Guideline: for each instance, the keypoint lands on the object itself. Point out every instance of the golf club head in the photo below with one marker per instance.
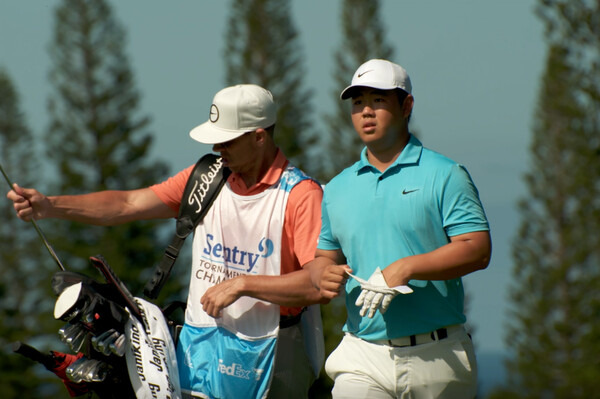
(76, 344)
(73, 371)
(70, 302)
(94, 371)
(68, 330)
(63, 279)
(97, 338)
(102, 342)
(118, 346)
(80, 303)
(106, 344)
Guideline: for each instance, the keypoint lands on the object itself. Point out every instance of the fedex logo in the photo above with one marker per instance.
(235, 256)
(236, 370)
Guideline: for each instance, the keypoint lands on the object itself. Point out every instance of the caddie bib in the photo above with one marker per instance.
(233, 356)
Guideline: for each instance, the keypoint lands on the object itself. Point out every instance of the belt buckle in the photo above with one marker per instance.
(435, 335)
(412, 342)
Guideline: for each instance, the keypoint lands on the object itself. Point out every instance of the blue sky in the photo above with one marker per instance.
(475, 68)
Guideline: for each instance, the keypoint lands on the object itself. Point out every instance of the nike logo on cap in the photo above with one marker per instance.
(362, 73)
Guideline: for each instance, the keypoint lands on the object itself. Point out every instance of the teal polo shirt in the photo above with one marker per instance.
(412, 208)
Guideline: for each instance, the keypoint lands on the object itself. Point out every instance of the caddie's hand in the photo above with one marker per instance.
(376, 294)
(332, 280)
(219, 296)
(28, 202)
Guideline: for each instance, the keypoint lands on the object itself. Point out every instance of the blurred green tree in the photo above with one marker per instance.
(262, 48)
(363, 38)
(96, 139)
(25, 271)
(554, 331)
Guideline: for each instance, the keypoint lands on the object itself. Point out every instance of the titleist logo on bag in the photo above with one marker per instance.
(202, 185)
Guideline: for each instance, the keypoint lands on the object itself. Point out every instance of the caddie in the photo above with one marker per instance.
(248, 289)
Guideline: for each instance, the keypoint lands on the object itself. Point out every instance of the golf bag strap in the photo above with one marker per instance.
(204, 184)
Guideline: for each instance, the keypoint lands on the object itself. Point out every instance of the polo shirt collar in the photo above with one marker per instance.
(271, 177)
(274, 173)
(409, 156)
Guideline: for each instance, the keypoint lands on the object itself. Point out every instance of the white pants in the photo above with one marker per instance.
(439, 369)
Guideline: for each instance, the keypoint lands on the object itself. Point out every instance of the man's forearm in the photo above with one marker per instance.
(102, 208)
(463, 255)
(291, 289)
(108, 208)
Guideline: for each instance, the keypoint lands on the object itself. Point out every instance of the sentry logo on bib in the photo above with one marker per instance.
(234, 257)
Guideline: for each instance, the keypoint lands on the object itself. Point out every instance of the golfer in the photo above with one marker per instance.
(407, 224)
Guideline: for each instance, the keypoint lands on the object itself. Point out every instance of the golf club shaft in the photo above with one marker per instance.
(37, 228)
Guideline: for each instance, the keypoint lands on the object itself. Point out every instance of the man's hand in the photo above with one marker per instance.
(328, 273)
(28, 203)
(330, 280)
(377, 294)
(218, 297)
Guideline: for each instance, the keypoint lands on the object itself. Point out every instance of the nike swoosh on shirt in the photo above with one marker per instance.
(405, 191)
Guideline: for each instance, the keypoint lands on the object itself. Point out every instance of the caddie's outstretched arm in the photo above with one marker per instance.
(103, 208)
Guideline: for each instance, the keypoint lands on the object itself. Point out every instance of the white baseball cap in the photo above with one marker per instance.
(234, 111)
(379, 74)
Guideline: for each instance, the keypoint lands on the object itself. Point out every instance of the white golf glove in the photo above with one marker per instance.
(376, 293)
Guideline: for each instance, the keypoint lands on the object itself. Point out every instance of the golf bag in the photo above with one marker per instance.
(123, 346)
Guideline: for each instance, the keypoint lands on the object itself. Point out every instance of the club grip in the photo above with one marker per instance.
(31, 353)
